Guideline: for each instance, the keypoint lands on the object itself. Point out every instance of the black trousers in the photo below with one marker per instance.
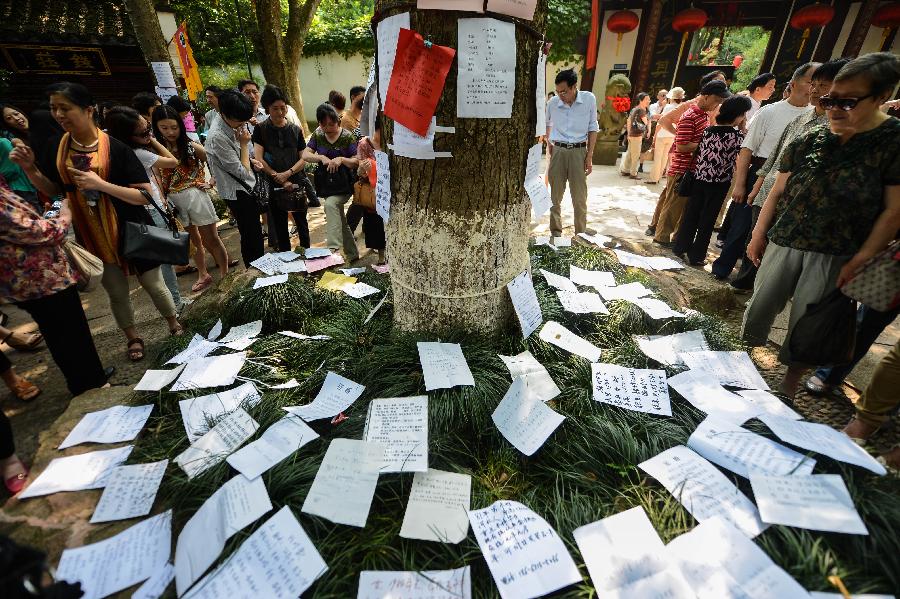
(735, 242)
(373, 229)
(356, 213)
(65, 329)
(746, 276)
(278, 227)
(699, 218)
(246, 215)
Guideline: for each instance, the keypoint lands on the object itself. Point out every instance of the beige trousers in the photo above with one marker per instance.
(116, 284)
(337, 232)
(880, 398)
(661, 157)
(631, 159)
(567, 166)
(670, 210)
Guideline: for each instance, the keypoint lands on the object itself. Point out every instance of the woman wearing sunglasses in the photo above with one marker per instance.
(835, 203)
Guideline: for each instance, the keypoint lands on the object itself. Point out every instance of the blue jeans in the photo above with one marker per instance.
(167, 270)
(869, 325)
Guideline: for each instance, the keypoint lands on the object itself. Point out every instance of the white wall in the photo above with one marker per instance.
(321, 74)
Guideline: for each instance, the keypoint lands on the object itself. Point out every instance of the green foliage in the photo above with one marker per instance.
(585, 471)
(341, 26)
(568, 21)
(753, 50)
(214, 30)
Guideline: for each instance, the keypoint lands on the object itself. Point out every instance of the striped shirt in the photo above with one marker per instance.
(689, 131)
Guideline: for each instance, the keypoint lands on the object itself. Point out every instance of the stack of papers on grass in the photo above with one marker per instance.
(112, 425)
(77, 472)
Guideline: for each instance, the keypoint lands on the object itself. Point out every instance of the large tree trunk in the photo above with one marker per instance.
(146, 28)
(458, 228)
(279, 53)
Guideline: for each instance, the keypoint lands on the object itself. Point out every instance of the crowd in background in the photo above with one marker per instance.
(75, 174)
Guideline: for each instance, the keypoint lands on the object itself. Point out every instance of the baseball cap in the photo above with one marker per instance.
(716, 88)
(676, 93)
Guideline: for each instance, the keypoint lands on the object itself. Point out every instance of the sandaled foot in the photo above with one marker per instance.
(24, 341)
(135, 351)
(202, 284)
(25, 390)
(858, 430)
(816, 386)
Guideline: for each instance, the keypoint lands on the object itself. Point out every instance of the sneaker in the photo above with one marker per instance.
(651, 231)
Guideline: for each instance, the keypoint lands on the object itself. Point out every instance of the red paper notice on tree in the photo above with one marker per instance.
(417, 81)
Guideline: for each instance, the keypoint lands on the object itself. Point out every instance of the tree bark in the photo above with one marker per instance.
(146, 28)
(458, 228)
(279, 52)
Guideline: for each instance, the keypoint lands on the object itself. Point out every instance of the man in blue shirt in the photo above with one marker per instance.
(572, 132)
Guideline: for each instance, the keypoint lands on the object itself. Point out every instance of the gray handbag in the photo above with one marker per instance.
(162, 245)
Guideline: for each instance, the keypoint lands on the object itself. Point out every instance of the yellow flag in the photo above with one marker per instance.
(188, 64)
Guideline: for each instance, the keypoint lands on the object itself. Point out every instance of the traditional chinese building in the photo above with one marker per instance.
(659, 44)
(93, 43)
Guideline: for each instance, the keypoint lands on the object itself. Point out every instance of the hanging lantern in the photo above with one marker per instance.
(811, 17)
(738, 61)
(686, 22)
(621, 22)
(887, 17)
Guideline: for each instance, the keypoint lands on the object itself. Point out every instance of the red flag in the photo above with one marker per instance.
(594, 36)
(417, 82)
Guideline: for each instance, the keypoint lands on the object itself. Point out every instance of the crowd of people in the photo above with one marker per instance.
(814, 183)
(74, 174)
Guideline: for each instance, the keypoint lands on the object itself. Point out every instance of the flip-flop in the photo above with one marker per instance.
(25, 390)
(202, 284)
(135, 354)
(34, 339)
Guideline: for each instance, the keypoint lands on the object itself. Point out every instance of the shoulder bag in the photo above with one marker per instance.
(338, 183)
(162, 245)
(88, 266)
(260, 191)
(826, 334)
(877, 285)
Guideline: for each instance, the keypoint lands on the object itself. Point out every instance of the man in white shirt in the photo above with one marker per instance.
(572, 131)
(656, 109)
(663, 138)
(760, 90)
(762, 137)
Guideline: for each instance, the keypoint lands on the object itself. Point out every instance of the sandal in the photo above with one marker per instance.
(202, 284)
(135, 354)
(32, 340)
(186, 271)
(819, 388)
(25, 390)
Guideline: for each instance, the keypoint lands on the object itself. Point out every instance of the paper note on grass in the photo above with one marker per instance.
(702, 489)
(444, 365)
(400, 425)
(540, 384)
(234, 506)
(112, 425)
(655, 309)
(197, 348)
(665, 349)
(744, 452)
(333, 281)
(558, 281)
(269, 281)
(277, 443)
(155, 380)
(592, 278)
(525, 421)
(817, 502)
(586, 302)
(344, 485)
(525, 303)
(525, 555)
(560, 336)
(323, 263)
(770, 403)
(221, 440)
(77, 473)
(198, 412)
(278, 561)
(640, 390)
(156, 585)
(437, 507)
(121, 561)
(428, 584)
(707, 395)
(336, 395)
(822, 439)
(733, 368)
(214, 371)
(628, 291)
(129, 492)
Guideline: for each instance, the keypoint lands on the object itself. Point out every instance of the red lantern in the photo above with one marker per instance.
(621, 22)
(809, 17)
(888, 17)
(738, 60)
(688, 21)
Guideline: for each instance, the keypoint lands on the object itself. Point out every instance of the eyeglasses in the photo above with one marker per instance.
(845, 104)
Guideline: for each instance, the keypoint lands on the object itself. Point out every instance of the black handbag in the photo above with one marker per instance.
(160, 245)
(260, 192)
(826, 334)
(312, 200)
(686, 185)
(289, 201)
(338, 183)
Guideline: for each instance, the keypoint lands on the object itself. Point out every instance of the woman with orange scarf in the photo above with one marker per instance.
(102, 179)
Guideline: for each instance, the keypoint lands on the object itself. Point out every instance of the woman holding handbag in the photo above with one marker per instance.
(638, 130)
(364, 192)
(185, 186)
(103, 181)
(277, 145)
(133, 130)
(334, 149)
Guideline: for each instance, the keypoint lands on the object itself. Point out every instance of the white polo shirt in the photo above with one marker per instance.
(570, 124)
